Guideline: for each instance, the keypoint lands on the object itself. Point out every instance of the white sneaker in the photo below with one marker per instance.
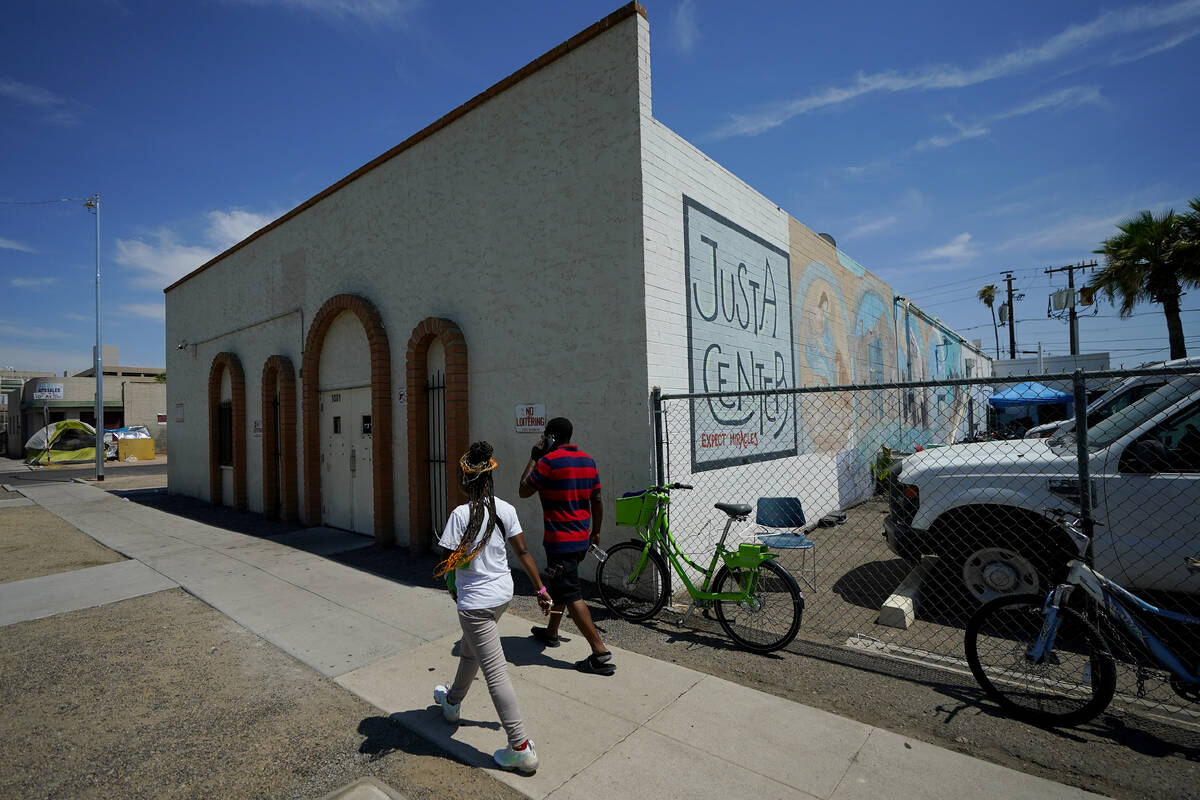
(525, 761)
(449, 711)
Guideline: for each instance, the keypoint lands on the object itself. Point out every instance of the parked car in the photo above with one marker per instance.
(1116, 398)
(982, 505)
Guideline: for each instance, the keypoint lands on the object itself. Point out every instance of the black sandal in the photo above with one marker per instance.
(593, 665)
(543, 636)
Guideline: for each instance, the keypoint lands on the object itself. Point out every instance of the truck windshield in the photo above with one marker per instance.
(1106, 431)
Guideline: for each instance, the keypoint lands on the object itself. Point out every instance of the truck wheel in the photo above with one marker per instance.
(997, 551)
(991, 571)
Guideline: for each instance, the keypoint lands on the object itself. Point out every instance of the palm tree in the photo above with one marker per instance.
(1153, 258)
(988, 296)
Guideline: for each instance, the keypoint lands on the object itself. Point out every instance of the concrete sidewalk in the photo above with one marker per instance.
(652, 729)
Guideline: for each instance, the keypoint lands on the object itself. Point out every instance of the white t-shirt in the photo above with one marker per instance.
(486, 581)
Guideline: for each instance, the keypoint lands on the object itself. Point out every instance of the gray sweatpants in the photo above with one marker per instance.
(481, 648)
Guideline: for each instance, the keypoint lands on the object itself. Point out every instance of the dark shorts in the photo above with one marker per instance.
(562, 576)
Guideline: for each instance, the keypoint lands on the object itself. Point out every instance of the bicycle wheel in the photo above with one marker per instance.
(770, 618)
(633, 597)
(1072, 684)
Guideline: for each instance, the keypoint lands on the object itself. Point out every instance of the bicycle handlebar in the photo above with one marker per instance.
(668, 487)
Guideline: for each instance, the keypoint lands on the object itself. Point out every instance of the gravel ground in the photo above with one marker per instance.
(162, 697)
(34, 542)
(1122, 756)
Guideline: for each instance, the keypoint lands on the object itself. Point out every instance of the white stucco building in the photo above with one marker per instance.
(549, 248)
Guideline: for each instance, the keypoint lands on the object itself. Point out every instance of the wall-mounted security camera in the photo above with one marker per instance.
(182, 345)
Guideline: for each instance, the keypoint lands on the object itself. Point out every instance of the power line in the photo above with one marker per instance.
(41, 202)
(956, 286)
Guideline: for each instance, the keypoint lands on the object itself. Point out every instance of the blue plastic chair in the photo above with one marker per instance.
(787, 512)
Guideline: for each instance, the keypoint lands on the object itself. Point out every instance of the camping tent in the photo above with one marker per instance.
(68, 441)
(1028, 394)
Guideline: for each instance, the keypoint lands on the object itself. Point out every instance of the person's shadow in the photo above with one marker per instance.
(398, 731)
(525, 651)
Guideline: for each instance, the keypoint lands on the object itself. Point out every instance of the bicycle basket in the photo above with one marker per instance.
(636, 509)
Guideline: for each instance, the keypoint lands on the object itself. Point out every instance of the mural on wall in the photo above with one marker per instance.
(826, 419)
(875, 359)
(756, 324)
(739, 313)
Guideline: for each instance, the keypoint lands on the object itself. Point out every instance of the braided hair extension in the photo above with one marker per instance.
(475, 473)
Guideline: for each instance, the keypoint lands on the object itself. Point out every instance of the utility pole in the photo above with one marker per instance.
(1012, 318)
(1074, 318)
(93, 205)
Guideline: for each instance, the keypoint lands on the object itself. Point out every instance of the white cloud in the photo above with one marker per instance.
(958, 249)
(54, 109)
(9, 244)
(227, 228)
(154, 311)
(1155, 49)
(374, 12)
(963, 133)
(164, 260)
(1077, 233)
(33, 283)
(1069, 42)
(874, 226)
(685, 25)
(1086, 233)
(1064, 98)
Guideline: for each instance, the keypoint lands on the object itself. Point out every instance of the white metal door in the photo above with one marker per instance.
(336, 505)
(362, 473)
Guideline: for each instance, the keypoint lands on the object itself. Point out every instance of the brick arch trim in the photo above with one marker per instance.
(381, 409)
(279, 500)
(237, 380)
(457, 421)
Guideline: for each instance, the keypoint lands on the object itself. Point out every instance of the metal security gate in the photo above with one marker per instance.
(435, 395)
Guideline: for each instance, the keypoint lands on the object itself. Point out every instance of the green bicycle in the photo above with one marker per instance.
(755, 600)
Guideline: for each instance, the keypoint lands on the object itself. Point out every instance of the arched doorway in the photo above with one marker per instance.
(362, 417)
(279, 440)
(227, 431)
(432, 412)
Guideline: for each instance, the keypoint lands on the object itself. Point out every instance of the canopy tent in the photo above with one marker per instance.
(66, 442)
(1028, 394)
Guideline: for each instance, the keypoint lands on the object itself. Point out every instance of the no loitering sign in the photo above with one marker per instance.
(531, 417)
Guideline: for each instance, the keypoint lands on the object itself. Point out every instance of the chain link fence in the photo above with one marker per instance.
(923, 500)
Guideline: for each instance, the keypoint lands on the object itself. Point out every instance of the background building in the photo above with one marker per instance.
(132, 396)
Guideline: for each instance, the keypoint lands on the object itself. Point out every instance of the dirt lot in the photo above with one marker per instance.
(34, 542)
(161, 696)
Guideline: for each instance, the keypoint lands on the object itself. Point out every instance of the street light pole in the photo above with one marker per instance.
(93, 204)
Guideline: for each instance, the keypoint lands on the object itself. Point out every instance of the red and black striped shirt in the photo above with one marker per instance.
(566, 479)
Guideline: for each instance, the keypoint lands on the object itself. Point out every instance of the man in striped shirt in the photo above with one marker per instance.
(565, 479)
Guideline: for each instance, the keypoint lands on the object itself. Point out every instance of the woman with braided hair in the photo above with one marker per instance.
(476, 568)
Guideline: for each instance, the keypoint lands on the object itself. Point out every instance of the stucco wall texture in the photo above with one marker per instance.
(546, 220)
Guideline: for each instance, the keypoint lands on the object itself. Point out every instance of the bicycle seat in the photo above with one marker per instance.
(734, 509)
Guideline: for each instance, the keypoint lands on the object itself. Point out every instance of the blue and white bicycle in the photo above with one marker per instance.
(1046, 663)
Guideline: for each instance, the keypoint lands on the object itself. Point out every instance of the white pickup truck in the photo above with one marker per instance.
(983, 505)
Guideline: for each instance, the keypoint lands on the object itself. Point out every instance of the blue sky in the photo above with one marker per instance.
(940, 144)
